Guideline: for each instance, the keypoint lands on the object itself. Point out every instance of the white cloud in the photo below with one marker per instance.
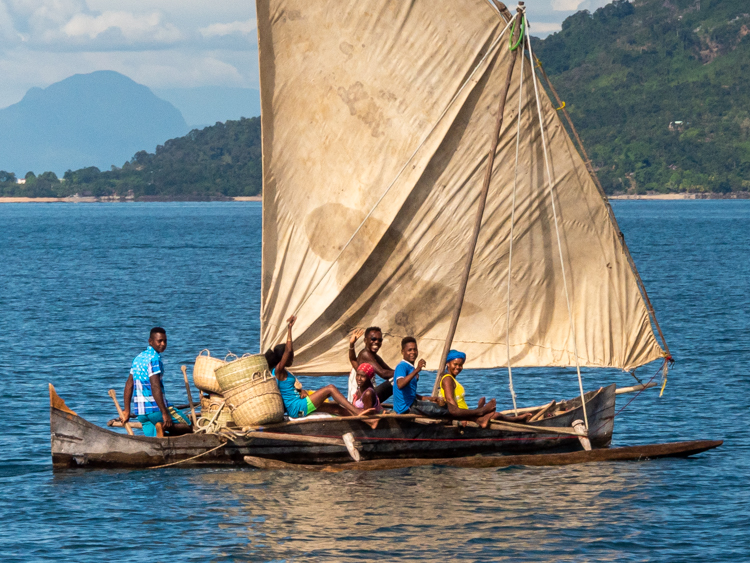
(7, 30)
(544, 27)
(173, 67)
(223, 29)
(565, 5)
(132, 27)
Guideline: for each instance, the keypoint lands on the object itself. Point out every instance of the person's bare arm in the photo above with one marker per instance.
(381, 368)
(127, 396)
(352, 341)
(160, 402)
(368, 399)
(281, 372)
(404, 381)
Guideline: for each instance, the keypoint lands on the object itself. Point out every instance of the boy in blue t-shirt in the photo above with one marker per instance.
(405, 379)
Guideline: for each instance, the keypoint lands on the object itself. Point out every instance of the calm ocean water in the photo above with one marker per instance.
(80, 285)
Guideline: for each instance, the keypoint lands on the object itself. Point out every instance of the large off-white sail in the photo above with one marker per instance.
(377, 119)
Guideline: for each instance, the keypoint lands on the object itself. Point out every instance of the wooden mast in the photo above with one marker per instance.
(514, 40)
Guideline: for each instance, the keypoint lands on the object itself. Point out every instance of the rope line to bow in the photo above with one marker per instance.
(510, 250)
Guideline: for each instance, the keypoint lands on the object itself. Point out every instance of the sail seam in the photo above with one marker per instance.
(557, 228)
(490, 51)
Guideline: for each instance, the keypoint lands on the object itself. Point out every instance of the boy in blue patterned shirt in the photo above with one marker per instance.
(154, 412)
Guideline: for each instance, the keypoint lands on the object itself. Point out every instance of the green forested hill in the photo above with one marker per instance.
(629, 70)
(658, 89)
(221, 160)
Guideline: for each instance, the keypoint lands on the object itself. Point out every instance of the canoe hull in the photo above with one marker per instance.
(79, 443)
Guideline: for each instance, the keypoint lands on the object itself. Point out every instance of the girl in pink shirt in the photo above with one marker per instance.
(365, 396)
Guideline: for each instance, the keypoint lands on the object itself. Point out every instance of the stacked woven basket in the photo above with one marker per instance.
(251, 391)
(244, 388)
(203, 372)
(205, 380)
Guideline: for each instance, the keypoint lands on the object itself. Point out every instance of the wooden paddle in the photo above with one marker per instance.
(190, 396)
(543, 411)
(119, 411)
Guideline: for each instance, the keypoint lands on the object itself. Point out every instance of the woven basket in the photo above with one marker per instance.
(257, 401)
(209, 406)
(240, 371)
(203, 372)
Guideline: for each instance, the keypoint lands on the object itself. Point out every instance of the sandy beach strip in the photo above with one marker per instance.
(662, 197)
(30, 200)
(646, 197)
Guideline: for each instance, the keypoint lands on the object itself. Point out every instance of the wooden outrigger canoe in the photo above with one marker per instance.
(79, 443)
(399, 441)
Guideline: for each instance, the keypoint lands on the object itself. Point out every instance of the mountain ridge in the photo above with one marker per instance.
(98, 119)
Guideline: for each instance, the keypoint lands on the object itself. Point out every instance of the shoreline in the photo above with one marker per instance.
(111, 199)
(165, 199)
(667, 197)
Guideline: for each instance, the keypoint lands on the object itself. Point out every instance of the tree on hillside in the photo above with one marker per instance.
(219, 161)
(630, 71)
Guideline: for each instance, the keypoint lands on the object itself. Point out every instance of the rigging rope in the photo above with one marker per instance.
(188, 459)
(557, 231)
(489, 52)
(510, 250)
(645, 386)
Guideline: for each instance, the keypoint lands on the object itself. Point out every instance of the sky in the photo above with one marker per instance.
(166, 45)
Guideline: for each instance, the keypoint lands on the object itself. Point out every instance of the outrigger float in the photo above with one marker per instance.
(417, 177)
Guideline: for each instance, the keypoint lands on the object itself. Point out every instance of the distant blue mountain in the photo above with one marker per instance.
(205, 105)
(98, 119)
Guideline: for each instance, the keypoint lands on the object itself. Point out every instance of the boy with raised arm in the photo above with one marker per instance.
(405, 379)
(369, 355)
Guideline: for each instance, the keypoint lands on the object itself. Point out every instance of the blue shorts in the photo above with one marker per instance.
(149, 420)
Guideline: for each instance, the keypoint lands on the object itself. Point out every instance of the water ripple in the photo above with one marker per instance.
(81, 285)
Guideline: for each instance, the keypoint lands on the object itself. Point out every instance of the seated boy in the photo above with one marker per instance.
(405, 378)
(157, 416)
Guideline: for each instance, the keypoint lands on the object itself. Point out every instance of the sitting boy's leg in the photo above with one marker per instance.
(429, 409)
(152, 424)
(385, 390)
